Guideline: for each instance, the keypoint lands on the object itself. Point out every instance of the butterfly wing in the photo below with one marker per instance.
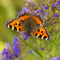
(42, 33)
(24, 16)
(38, 19)
(15, 25)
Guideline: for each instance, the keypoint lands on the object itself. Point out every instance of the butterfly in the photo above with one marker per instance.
(29, 23)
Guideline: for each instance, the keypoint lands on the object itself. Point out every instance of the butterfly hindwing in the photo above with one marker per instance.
(15, 25)
(42, 33)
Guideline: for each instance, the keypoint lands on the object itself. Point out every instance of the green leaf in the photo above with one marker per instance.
(43, 53)
(35, 54)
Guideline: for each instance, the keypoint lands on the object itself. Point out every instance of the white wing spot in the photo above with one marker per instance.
(8, 26)
(46, 39)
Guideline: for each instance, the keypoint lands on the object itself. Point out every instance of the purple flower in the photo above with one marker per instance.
(16, 47)
(4, 51)
(42, 48)
(15, 42)
(43, 7)
(46, 8)
(43, 4)
(53, 5)
(35, 12)
(16, 51)
(8, 53)
(24, 9)
(55, 58)
(56, 15)
(59, 7)
(16, 38)
(59, 2)
(7, 44)
(43, 12)
(56, 3)
(25, 36)
(30, 51)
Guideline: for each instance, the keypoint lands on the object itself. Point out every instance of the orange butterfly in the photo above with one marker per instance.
(29, 23)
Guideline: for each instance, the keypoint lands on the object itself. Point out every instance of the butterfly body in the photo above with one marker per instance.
(29, 23)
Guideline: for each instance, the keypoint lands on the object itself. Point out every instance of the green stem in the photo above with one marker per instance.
(2, 19)
(54, 50)
(57, 37)
(47, 52)
(44, 58)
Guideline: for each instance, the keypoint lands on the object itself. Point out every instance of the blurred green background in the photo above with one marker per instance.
(8, 10)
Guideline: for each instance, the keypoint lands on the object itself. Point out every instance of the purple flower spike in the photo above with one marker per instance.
(10, 53)
(43, 12)
(56, 15)
(3, 52)
(55, 58)
(59, 2)
(46, 8)
(16, 47)
(53, 5)
(6, 54)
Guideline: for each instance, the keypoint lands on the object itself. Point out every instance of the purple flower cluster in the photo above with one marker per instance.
(6, 53)
(10, 53)
(16, 47)
(24, 36)
(58, 4)
(24, 9)
(53, 5)
(57, 7)
(43, 12)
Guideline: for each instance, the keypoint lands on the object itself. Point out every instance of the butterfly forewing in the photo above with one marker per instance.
(24, 16)
(38, 19)
(15, 25)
